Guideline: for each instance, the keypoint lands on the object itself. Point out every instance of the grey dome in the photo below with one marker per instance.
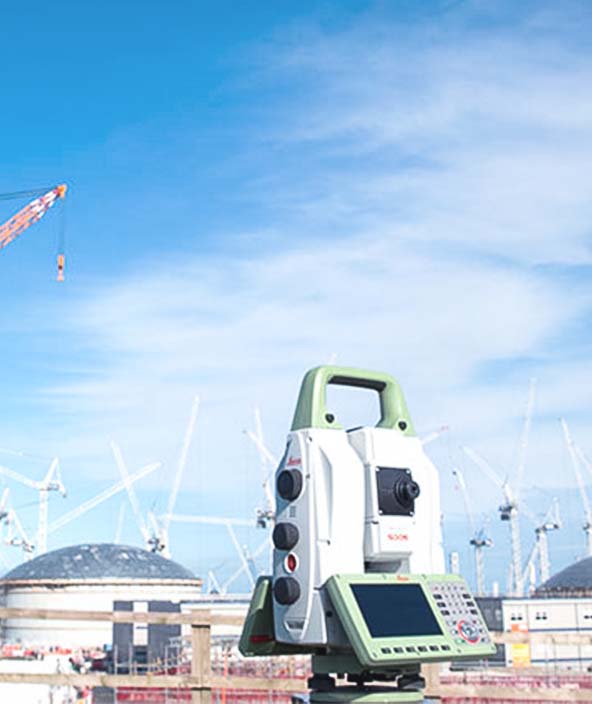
(575, 580)
(99, 561)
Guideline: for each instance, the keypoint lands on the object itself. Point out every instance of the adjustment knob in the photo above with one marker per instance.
(286, 590)
(285, 536)
(289, 484)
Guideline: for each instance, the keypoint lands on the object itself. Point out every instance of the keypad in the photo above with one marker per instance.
(463, 620)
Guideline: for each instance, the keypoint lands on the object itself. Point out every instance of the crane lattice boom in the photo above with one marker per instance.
(30, 214)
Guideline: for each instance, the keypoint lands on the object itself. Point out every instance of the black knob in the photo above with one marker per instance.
(289, 484)
(285, 536)
(286, 590)
(406, 491)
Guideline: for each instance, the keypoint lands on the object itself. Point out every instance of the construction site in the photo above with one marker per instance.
(296, 351)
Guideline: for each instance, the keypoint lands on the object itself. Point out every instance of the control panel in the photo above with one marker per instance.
(391, 618)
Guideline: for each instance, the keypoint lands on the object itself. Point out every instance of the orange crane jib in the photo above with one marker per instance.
(30, 214)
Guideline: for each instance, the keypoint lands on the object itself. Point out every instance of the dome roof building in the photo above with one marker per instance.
(102, 561)
(574, 580)
(89, 577)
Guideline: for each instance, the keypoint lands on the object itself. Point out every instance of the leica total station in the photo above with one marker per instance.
(358, 569)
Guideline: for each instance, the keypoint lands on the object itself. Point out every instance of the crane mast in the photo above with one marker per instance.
(478, 540)
(571, 448)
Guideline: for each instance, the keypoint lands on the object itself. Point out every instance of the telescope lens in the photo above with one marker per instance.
(406, 491)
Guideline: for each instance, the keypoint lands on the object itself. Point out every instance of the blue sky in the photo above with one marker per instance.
(255, 187)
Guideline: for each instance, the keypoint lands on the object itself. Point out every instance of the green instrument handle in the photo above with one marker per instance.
(311, 409)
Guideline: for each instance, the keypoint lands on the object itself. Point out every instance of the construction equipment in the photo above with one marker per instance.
(16, 536)
(156, 535)
(51, 482)
(509, 510)
(269, 462)
(131, 493)
(540, 550)
(434, 435)
(575, 458)
(478, 539)
(30, 214)
(358, 513)
(99, 498)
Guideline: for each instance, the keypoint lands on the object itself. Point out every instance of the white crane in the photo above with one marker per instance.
(229, 523)
(540, 550)
(265, 545)
(179, 474)
(99, 498)
(269, 462)
(509, 510)
(525, 436)
(131, 493)
(434, 435)
(16, 535)
(576, 457)
(478, 539)
(51, 482)
(159, 540)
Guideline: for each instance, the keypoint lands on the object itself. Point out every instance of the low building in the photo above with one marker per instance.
(559, 607)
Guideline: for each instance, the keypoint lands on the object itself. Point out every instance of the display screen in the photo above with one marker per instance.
(394, 610)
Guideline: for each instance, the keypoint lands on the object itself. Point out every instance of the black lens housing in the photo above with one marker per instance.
(286, 590)
(289, 484)
(285, 536)
(406, 491)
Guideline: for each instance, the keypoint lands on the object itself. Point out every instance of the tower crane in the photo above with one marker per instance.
(51, 482)
(131, 493)
(576, 458)
(434, 435)
(99, 498)
(478, 539)
(540, 550)
(30, 214)
(189, 432)
(269, 462)
(155, 532)
(509, 510)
